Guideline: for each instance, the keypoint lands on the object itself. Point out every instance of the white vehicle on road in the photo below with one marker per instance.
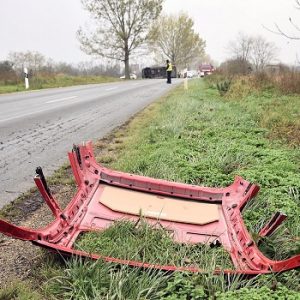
(132, 76)
(191, 73)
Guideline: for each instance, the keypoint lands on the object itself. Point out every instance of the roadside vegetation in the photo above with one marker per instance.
(202, 137)
(45, 73)
(273, 100)
(153, 244)
(44, 82)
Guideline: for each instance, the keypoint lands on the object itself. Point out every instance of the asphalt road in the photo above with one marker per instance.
(37, 128)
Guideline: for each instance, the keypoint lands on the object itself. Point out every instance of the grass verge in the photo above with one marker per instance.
(272, 107)
(56, 81)
(201, 138)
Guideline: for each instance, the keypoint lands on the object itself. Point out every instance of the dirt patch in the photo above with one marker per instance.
(17, 258)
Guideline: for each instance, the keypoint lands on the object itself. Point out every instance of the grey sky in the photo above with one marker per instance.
(49, 26)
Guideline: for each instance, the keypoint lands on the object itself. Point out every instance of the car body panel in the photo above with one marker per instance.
(93, 208)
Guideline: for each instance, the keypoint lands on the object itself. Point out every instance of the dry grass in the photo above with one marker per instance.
(273, 100)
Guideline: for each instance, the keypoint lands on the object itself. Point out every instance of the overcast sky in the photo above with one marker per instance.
(49, 26)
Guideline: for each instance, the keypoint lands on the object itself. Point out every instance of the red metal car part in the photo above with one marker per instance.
(87, 212)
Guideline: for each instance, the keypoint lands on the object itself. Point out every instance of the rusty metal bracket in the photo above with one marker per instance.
(88, 211)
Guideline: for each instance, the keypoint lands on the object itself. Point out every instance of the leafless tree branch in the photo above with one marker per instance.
(279, 31)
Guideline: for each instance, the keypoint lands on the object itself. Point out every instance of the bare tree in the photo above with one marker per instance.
(33, 60)
(121, 27)
(235, 66)
(241, 47)
(262, 53)
(254, 50)
(173, 37)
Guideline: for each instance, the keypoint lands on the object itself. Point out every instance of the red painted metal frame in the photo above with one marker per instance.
(85, 213)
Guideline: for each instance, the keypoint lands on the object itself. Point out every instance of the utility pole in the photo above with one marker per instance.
(26, 78)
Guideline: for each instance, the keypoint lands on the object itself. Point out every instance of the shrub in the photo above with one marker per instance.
(288, 82)
(223, 87)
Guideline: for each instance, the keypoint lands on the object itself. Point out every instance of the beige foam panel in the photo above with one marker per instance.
(156, 206)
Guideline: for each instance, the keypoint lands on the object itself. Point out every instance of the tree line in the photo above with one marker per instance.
(125, 28)
(249, 54)
(254, 53)
(122, 29)
(12, 68)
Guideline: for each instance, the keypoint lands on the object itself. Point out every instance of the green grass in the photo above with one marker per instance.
(197, 137)
(271, 108)
(56, 81)
(97, 280)
(152, 244)
(11, 88)
(18, 291)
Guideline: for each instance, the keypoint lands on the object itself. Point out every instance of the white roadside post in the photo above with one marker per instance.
(26, 78)
(185, 80)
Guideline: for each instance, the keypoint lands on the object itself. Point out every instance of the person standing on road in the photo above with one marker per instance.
(169, 71)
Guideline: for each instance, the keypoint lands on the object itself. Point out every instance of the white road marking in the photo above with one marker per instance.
(36, 111)
(62, 99)
(110, 89)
